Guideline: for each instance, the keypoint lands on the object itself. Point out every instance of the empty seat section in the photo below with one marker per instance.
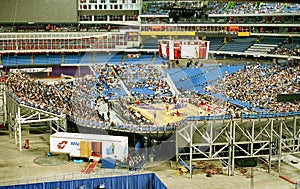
(238, 45)
(195, 79)
(150, 43)
(86, 58)
(20, 60)
(272, 40)
(116, 59)
(55, 59)
(24, 60)
(160, 60)
(9, 60)
(47, 59)
(215, 43)
(293, 44)
(72, 58)
(102, 58)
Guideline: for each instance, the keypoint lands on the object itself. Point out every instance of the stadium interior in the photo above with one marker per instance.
(149, 69)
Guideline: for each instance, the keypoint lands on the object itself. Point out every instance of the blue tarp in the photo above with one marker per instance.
(108, 163)
(141, 181)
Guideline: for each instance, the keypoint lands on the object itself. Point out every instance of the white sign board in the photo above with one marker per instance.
(69, 143)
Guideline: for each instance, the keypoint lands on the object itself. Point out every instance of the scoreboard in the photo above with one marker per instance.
(183, 49)
(38, 11)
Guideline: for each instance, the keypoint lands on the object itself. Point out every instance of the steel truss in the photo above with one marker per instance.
(19, 114)
(229, 140)
(3, 111)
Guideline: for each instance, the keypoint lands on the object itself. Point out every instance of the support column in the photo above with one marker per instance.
(252, 178)
(252, 138)
(79, 71)
(176, 143)
(20, 129)
(4, 104)
(279, 148)
(15, 120)
(9, 118)
(191, 149)
(9, 129)
(15, 132)
(65, 124)
(50, 127)
(139, 22)
(270, 147)
(56, 125)
(211, 139)
(229, 149)
(294, 134)
(233, 148)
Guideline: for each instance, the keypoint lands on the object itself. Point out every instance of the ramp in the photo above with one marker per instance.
(91, 167)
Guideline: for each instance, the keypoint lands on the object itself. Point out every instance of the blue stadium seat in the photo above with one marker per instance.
(72, 58)
(47, 59)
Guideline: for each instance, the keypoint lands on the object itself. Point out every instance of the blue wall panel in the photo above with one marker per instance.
(158, 183)
(142, 181)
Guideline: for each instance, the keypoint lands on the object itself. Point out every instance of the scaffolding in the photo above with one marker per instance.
(229, 140)
(19, 114)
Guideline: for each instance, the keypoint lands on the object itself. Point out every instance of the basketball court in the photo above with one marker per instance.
(165, 113)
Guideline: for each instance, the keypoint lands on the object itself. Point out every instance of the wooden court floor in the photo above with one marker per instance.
(159, 115)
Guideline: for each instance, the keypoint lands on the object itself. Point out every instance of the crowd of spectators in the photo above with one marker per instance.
(55, 98)
(136, 161)
(211, 104)
(85, 99)
(107, 78)
(259, 85)
(250, 8)
(195, 12)
(79, 98)
(145, 82)
(57, 28)
(284, 50)
(256, 84)
(128, 114)
(76, 98)
(218, 7)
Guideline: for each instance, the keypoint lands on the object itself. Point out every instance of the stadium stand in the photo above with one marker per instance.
(116, 59)
(109, 83)
(238, 45)
(142, 76)
(215, 43)
(150, 43)
(72, 58)
(49, 59)
(157, 8)
(160, 60)
(256, 45)
(141, 59)
(102, 57)
(145, 81)
(290, 48)
(19, 60)
(256, 86)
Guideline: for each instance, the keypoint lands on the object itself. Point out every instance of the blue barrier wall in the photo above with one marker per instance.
(141, 181)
